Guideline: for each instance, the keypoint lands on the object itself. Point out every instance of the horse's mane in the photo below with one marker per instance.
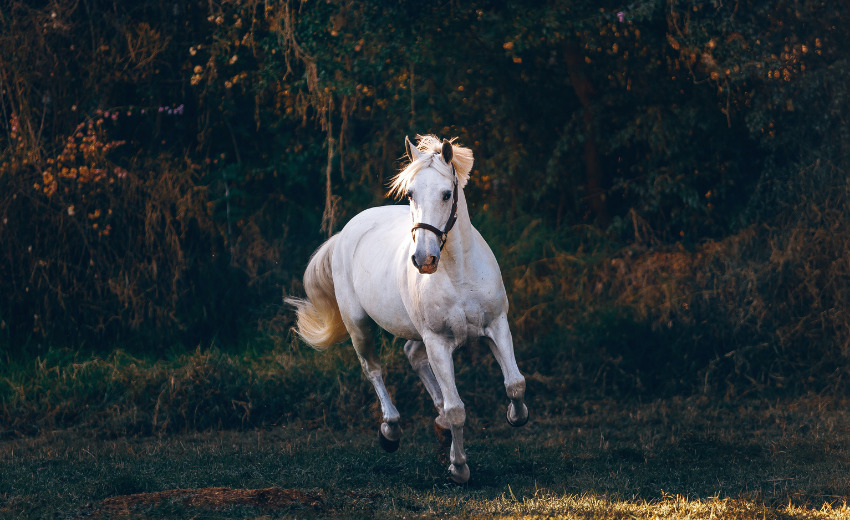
(429, 144)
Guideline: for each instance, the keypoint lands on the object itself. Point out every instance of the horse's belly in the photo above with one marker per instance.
(385, 307)
(399, 328)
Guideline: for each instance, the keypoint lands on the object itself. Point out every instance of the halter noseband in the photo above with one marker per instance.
(441, 234)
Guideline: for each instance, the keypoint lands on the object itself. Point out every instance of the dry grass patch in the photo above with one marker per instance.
(209, 498)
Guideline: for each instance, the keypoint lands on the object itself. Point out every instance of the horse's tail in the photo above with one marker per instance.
(319, 321)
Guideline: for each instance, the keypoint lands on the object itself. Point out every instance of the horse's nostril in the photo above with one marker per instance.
(428, 266)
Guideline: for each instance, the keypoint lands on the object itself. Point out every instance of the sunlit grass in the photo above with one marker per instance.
(672, 507)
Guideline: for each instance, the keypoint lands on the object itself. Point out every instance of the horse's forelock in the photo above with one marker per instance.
(462, 159)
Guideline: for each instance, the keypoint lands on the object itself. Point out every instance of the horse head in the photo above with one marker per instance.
(433, 195)
(431, 181)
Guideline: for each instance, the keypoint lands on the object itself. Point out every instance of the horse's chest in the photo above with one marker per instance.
(460, 316)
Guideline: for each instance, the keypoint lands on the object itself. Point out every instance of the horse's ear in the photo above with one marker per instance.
(447, 151)
(413, 153)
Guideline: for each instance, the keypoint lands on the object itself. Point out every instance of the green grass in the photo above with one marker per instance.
(259, 386)
(671, 458)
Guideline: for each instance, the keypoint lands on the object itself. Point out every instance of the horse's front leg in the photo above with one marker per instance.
(440, 358)
(498, 336)
(418, 357)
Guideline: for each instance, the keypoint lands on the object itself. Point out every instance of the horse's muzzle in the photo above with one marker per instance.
(429, 266)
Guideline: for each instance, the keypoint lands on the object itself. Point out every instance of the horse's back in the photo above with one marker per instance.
(378, 219)
(375, 233)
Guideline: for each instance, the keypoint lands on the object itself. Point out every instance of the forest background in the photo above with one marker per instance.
(663, 182)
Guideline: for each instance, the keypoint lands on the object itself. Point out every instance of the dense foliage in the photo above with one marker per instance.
(663, 182)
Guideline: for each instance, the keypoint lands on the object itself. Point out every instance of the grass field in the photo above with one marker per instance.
(672, 458)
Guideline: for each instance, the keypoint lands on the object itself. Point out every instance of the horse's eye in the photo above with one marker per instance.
(447, 195)
(409, 194)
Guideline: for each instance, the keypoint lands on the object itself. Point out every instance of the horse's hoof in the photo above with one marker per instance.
(388, 445)
(517, 420)
(444, 435)
(459, 474)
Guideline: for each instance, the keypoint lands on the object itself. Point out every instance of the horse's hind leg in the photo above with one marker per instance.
(418, 357)
(363, 338)
(502, 345)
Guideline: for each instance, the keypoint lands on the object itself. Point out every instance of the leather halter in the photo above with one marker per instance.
(441, 234)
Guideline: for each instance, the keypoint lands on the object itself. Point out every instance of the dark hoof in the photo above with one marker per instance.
(386, 444)
(517, 421)
(459, 474)
(444, 435)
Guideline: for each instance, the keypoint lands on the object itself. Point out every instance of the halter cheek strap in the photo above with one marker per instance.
(442, 234)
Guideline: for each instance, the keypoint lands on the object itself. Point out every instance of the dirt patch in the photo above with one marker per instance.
(210, 498)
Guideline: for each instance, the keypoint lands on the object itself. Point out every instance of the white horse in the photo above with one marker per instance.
(382, 269)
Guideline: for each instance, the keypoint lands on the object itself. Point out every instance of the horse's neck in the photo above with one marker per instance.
(460, 242)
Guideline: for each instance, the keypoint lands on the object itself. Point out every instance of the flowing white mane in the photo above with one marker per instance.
(430, 146)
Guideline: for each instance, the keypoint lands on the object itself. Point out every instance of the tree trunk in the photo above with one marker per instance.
(594, 177)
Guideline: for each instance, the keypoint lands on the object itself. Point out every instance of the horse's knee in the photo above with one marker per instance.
(456, 416)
